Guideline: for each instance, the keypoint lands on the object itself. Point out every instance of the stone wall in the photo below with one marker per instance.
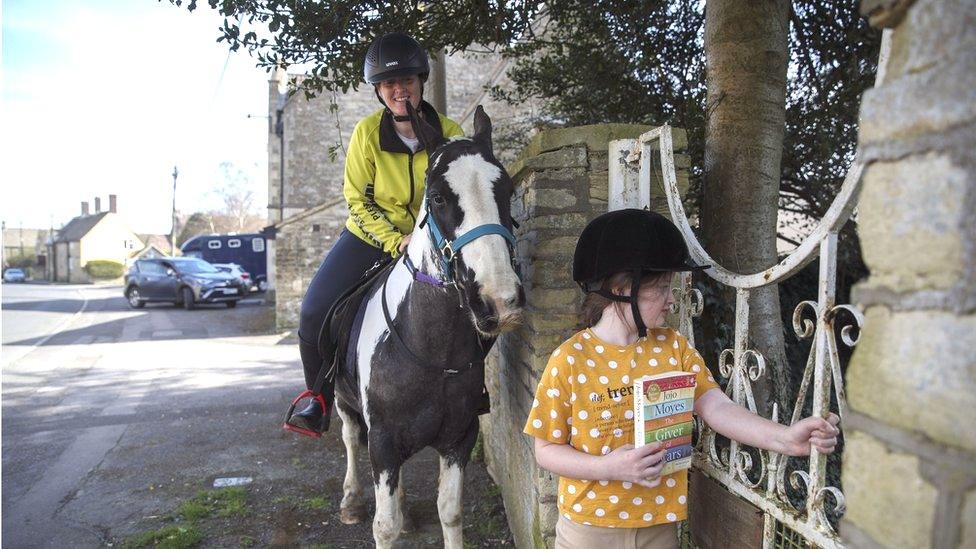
(909, 471)
(66, 264)
(561, 184)
(300, 245)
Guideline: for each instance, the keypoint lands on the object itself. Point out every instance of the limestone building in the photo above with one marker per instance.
(21, 245)
(90, 236)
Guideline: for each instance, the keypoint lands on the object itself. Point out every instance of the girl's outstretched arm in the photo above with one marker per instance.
(735, 422)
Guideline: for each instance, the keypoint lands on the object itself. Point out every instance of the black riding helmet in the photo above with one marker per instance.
(633, 241)
(395, 55)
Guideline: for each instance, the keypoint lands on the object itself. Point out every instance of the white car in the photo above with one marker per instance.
(14, 275)
(238, 271)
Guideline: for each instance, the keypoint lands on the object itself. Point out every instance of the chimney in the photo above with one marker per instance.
(84, 208)
(98, 205)
(112, 203)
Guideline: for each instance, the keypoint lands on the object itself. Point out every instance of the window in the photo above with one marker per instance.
(151, 267)
(234, 243)
(213, 244)
(257, 244)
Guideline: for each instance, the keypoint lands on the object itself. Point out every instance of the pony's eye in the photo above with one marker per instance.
(437, 200)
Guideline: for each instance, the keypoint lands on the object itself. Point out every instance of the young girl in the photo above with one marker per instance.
(612, 494)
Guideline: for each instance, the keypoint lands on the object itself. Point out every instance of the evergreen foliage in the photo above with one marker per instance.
(103, 269)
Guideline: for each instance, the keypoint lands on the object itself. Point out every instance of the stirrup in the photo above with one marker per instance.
(288, 426)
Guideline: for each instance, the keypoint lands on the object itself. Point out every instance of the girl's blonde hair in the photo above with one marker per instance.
(594, 304)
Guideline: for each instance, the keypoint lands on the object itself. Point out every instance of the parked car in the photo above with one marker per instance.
(14, 275)
(180, 280)
(249, 250)
(239, 272)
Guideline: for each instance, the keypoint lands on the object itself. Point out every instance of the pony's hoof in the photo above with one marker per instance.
(354, 514)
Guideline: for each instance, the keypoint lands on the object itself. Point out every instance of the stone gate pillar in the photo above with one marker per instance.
(909, 471)
(561, 181)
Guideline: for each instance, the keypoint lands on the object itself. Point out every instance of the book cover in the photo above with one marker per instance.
(663, 407)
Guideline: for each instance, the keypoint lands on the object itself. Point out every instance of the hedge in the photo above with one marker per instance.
(102, 268)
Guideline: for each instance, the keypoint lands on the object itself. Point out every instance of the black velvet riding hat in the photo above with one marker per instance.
(629, 240)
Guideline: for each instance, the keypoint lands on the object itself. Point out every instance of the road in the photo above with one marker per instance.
(80, 369)
(111, 417)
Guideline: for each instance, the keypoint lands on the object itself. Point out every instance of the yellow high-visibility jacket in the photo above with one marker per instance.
(384, 180)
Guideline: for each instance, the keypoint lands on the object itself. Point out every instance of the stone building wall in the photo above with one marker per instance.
(561, 183)
(66, 265)
(909, 471)
(296, 244)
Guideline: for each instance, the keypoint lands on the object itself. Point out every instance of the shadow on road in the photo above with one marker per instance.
(201, 323)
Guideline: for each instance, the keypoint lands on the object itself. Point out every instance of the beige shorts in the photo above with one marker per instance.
(570, 535)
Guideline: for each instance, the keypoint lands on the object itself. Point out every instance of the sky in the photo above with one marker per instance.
(105, 97)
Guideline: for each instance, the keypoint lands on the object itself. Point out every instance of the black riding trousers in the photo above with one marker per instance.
(347, 261)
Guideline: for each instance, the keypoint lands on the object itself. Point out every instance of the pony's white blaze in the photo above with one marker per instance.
(374, 327)
(471, 178)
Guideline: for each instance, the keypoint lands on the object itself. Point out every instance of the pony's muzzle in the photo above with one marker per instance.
(510, 311)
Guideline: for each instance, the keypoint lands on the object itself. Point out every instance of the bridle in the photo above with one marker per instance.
(448, 251)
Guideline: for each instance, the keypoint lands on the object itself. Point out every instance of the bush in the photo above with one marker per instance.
(104, 269)
(21, 261)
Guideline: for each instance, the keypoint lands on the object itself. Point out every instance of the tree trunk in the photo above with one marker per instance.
(747, 52)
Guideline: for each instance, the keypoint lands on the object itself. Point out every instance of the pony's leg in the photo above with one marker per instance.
(450, 485)
(449, 490)
(408, 523)
(352, 510)
(388, 520)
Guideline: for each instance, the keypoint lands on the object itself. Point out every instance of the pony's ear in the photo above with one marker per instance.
(429, 137)
(482, 129)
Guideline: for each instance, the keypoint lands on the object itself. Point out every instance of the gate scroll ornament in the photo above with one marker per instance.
(763, 483)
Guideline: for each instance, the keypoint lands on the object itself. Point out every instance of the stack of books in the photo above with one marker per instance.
(663, 407)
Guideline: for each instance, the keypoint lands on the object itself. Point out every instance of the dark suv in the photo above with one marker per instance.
(180, 280)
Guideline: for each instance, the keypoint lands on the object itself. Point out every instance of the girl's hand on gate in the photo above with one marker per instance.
(637, 465)
(811, 433)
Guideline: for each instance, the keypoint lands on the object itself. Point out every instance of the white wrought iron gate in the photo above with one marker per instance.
(634, 168)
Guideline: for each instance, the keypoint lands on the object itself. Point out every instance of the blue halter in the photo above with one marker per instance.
(450, 248)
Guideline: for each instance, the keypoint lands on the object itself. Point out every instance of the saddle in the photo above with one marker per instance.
(341, 320)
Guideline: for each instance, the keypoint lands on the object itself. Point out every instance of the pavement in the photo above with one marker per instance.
(114, 417)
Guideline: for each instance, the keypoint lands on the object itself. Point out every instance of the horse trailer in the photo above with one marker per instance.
(247, 250)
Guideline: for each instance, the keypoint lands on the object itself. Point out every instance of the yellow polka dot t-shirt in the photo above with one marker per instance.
(579, 402)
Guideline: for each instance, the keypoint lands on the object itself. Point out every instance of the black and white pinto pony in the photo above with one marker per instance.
(419, 351)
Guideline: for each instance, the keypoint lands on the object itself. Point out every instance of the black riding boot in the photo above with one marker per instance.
(313, 417)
